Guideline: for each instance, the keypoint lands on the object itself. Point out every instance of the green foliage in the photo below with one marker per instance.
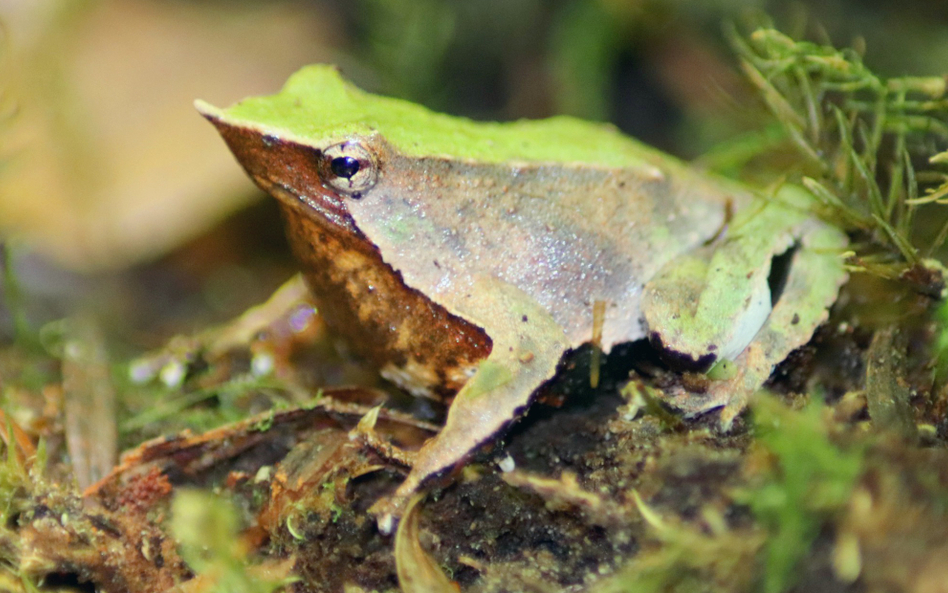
(15, 483)
(20, 479)
(586, 41)
(691, 557)
(857, 136)
(940, 344)
(200, 409)
(20, 476)
(13, 298)
(407, 41)
(811, 480)
(206, 527)
(434, 52)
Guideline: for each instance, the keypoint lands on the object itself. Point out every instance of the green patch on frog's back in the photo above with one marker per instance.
(317, 106)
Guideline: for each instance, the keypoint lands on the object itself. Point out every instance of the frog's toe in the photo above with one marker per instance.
(692, 404)
(728, 388)
(727, 402)
(386, 521)
(389, 510)
(731, 411)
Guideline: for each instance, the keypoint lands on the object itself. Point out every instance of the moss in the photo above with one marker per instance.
(856, 136)
(206, 527)
(810, 480)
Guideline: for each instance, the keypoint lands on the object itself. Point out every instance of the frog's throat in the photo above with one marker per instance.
(421, 346)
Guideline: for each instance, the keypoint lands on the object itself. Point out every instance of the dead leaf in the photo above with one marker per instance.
(417, 571)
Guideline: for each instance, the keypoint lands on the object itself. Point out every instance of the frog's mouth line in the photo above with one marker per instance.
(331, 217)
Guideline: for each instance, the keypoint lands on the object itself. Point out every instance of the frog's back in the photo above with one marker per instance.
(318, 106)
(567, 235)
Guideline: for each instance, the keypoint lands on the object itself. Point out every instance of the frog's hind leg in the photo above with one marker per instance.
(527, 345)
(812, 285)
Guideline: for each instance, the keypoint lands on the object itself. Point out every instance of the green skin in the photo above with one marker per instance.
(518, 228)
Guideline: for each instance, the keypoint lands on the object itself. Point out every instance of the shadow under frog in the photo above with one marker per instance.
(469, 272)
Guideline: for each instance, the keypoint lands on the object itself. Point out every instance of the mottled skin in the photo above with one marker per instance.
(485, 262)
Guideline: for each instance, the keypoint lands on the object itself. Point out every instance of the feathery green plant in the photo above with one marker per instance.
(859, 137)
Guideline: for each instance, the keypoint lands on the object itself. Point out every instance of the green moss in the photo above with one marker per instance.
(199, 409)
(856, 135)
(265, 423)
(811, 480)
(15, 483)
(206, 527)
(707, 556)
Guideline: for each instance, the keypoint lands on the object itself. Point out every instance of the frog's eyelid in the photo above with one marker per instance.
(338, 159)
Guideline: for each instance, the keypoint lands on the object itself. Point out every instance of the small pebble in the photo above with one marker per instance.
(507, 464)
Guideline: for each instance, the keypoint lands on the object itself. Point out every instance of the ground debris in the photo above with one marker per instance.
(565, 492)
(417, 571)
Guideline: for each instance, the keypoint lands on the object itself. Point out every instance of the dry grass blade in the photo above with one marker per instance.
(16, 439)
(565, 492)
(893, 201)
(91, 432)
(775, 100)
(887, 394)
(417, 571)
(902, 243)
(940, 239)
(868, 179)
(831, 201)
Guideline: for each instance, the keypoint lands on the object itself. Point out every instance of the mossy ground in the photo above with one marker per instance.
(835, 483)
(804, 493)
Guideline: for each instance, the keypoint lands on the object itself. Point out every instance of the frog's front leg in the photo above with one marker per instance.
(816, 273)
(527, 344)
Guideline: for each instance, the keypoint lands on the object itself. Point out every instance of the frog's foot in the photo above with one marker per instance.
(527, 345)
(729, 395)
(815, 276)
(282, 318)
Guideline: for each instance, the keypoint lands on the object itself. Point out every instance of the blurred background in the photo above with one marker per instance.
(116, 196)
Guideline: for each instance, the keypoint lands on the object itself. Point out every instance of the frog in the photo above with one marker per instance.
(465, 259)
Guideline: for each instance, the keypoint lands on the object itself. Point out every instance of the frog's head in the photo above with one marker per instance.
(309, 146)
(327, 151)
(320, 179)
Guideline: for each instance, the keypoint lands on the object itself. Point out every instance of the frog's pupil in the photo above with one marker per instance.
(344, 166)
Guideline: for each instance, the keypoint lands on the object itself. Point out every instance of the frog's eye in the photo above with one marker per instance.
(349, 168)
